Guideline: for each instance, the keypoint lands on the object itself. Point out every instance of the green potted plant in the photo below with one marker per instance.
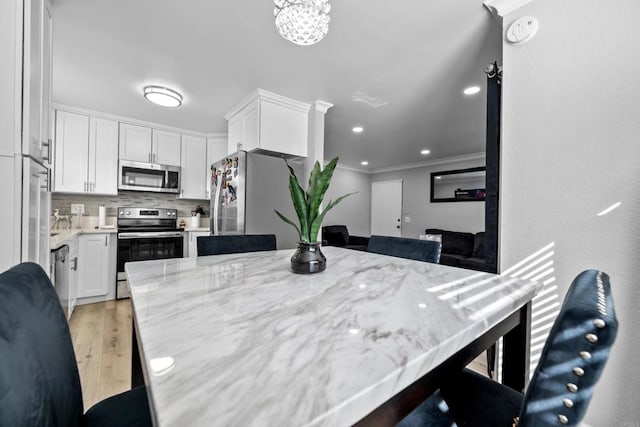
(308, 258)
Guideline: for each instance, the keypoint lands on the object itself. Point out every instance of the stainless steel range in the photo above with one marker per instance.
(146, 234)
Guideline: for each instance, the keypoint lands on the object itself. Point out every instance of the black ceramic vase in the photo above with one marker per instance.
(308, 259)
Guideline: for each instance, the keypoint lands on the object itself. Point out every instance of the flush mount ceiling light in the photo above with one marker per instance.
(472, 90)
(365, 163)
(303, 22)
(357, 129)
(162, 96)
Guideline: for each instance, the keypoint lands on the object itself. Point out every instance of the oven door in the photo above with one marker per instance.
(144, 246)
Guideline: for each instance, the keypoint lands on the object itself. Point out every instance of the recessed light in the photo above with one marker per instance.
(357, 129)
(438, 177)
(471, 90)
(365, 163)
(162, 96)
(425, 152)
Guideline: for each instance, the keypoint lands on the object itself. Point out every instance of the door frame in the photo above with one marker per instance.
(400, 180)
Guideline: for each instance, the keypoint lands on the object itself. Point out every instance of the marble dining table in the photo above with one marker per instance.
(240, 340)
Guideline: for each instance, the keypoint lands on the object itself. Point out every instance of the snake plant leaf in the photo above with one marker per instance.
(300, 205)
(288, 221)
(312, 188)
(317, 222)
(323, 180)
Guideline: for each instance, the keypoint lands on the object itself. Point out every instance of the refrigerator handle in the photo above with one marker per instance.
(215, 202)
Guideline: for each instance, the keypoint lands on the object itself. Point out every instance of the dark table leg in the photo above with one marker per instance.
(137, 377)
(515, 355)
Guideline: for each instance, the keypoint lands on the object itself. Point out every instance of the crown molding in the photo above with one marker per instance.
(502, 8)
(107, 116)
(322, 106)
(436, 162)
(271, 97)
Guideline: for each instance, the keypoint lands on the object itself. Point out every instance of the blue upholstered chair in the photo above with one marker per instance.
(39, 381)
(233, 244)
(571, 362)
(402, 247)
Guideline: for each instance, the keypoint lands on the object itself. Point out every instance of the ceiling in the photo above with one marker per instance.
(397, 68)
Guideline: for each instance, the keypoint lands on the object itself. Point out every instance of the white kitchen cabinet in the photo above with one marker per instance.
(86, 154)
(143, 144)
(193, 167)
(36, 89)
(135, 143)
(269, 123)
(216, 150)
(94, 262)
(165, 148)
(103, 156)
(71, 166)
(193, 242)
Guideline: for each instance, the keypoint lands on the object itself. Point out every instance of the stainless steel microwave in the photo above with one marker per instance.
(142, 176)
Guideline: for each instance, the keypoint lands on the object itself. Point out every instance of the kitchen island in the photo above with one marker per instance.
(241, 340)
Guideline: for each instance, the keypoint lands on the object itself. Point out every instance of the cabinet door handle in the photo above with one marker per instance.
(48, 145)
(93, 186)
(85, 186)
(106, 241)
(153, 156)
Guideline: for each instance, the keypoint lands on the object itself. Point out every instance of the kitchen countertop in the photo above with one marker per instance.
(196, 229)
(66, 235)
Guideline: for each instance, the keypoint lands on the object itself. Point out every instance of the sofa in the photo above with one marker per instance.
(465, 250)
(338, 235)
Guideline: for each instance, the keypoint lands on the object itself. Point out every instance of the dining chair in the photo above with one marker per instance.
(39, 380)
(561, 388)
(403, 247)
(233, 244)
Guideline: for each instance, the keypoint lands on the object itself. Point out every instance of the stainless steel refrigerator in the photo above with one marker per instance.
(245, 189)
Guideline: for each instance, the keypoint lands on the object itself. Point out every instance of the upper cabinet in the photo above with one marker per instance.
(269, 123)
(194, 167)
(86, 154)
(165, 148)
(143, 144)
(36, 94)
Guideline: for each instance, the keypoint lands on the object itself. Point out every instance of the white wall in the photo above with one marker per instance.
(455, 216)
(355, 210)
(570, 149)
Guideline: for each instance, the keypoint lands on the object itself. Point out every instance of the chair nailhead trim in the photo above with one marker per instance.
(578, 371)
(599, 323)
(592, 338)
(572, 387)
(568, 403)
(563, 419)
(585, 355)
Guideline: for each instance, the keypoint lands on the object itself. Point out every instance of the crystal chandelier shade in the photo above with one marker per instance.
(303, 22)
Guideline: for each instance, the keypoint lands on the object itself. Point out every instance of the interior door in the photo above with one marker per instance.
(386, 208)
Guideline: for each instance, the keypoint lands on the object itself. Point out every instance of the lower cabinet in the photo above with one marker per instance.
(193, 241)
(95, 264)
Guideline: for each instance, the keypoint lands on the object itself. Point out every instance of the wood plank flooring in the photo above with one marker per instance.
(101, 335)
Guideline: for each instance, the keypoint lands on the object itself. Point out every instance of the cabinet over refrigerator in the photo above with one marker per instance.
(246, 188)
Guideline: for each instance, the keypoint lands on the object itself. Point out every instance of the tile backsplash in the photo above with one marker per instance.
(62, 202)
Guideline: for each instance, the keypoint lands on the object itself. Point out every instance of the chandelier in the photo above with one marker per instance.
(303, 22)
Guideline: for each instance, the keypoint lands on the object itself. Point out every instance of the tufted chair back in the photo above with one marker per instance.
(574, 354)
(402, 247)
(233, 244)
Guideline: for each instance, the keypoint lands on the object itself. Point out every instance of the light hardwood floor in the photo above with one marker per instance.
(101, 335)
